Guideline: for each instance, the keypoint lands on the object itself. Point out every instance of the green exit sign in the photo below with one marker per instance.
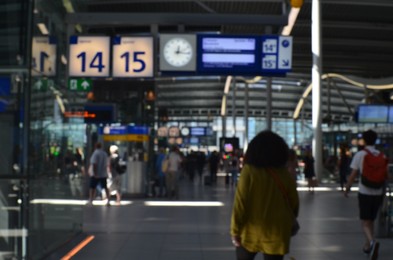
(80, 84)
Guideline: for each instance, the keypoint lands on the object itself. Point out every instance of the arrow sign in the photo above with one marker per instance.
(85, 85)
(43, 84)
(285, 53)
(79, 84)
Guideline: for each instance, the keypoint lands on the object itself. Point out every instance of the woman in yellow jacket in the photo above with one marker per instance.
(265, 196)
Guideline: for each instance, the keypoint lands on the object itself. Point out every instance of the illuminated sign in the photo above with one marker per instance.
(373, 114)
(132, 57)
(228, 54)
(103, 113)
(89, 56)
(79, 114)
(44, 56)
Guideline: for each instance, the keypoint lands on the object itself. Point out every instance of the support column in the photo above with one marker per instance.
(316, 91)
(246, 108)
(269, 103)
(234, 106)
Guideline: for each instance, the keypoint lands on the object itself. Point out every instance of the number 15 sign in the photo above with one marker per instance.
(89, 56)
(132, 57)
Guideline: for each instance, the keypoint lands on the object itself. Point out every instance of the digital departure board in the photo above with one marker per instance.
(373, 114)
(228, 54)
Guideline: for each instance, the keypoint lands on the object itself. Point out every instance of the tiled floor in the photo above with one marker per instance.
(330, 229)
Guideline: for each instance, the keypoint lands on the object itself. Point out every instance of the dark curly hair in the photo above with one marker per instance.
(369, 137)
(267, 149)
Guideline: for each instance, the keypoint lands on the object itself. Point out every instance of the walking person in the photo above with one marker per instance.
(369, 196)
(114, 174)
(343, 166)
(309, 172)
(99, 172)
(234, 168)
(160, 175)
(266, 200)
(172, 176)
(214, 160)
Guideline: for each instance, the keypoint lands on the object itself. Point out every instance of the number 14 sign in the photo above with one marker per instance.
(89, 56)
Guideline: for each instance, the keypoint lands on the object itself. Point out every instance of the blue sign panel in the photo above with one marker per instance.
(228, 54)
(5, 86)
(276, 54)
(138, 130)
(124, 130)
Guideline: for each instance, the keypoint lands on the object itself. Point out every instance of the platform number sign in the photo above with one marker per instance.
(132, 57)
(89, 56)
(44, 56)
(276, 54)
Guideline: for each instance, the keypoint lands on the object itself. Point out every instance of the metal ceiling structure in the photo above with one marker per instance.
(357, 38)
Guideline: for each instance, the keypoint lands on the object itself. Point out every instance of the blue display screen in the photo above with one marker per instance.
(373, 114)
(228, 54)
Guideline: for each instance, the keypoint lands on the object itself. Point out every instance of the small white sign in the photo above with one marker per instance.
(285, 53)
(44, 56)
(269, 46)
(276, 54)
(132, 57)
(269, 62)
(89, 56)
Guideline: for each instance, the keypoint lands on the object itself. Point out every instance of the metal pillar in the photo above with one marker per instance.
(316, 91)
(269, 103)
(246, 107)
(234, 106)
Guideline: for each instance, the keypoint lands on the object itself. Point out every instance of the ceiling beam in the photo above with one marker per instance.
(174, 19)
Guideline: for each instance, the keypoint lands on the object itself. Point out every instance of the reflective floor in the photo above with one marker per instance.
(196, 227)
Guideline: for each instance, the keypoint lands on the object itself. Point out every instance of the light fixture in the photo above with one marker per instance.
(224, 97)
(43, 29)
(63, 59)
(356, 83)
(291, 21)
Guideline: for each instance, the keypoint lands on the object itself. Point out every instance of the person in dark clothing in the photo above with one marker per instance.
(309, 172)
(214, 160)
(200, 164)
(343, 166)
(191, 162)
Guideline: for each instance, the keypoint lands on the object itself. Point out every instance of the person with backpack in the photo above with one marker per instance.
(371, 165)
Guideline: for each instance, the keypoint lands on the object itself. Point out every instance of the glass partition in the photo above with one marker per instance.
(13, 232)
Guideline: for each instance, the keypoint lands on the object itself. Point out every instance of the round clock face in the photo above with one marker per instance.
(185, 131)
(178, 52)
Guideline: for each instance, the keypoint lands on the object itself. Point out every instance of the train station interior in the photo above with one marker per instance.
(77, 72)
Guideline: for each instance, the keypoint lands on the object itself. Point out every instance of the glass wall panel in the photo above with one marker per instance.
(13, 232)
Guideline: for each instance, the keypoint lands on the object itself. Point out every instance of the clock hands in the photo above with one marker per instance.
(180, 51)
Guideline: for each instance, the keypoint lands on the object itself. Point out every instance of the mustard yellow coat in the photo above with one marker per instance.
(260, 215)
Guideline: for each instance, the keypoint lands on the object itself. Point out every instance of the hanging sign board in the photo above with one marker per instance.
(89, 56)
(276, 54)
(44, 56)
(132, 57)
(228, 54)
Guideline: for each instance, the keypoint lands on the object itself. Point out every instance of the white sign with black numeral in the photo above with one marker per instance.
(44, 56)
(276, 54)
(132, 57)
(89, 56)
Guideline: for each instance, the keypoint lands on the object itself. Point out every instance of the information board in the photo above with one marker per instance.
(228, 54)
(276, 54)
(44, 50)
(373, 114)
(132, 57)
(89, 56)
